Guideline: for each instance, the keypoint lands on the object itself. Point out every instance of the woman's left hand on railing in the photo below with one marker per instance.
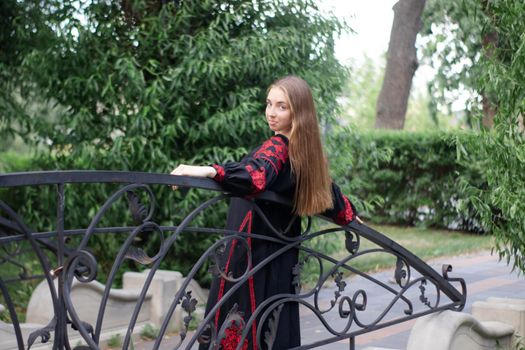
(193, 170)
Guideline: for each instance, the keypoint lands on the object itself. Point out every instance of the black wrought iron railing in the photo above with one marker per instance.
(348, 312)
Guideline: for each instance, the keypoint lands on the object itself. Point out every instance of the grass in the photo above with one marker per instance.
(20, 291)
(115, 341)
(426, 243)
(149, 332)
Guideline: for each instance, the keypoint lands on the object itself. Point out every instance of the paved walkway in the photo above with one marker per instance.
(484, 275)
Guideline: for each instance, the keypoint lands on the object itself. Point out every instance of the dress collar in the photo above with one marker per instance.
(284, 138)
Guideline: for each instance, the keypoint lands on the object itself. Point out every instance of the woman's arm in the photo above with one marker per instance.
(343, 211)
(194, 170)
(251, 176)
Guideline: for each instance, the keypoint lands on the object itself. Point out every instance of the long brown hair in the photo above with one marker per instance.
(313, 193)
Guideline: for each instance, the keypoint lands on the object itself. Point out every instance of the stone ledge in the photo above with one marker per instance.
(512, 301)
(449, 330)
(86, 298)
(508, 310)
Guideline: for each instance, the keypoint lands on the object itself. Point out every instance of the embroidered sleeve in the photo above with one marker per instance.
(219, 177)
(343, 211)
(275, 151)
(255, 173)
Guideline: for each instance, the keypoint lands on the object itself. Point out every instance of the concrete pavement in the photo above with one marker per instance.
(484, 275)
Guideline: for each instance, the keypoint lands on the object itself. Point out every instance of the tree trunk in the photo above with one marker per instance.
(490, 42)
(401, 65)
(489, 111)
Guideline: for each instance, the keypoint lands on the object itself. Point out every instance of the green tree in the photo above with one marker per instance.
(505, 74)
(147, 86)
(456, 38)
(479, 47)
(23, 29)
(144, 85)
(502, 204)
(360, 94)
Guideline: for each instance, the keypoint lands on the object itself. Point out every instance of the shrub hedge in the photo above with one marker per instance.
(409, 178)
(393, 177)
(37, 206)
(406, 178)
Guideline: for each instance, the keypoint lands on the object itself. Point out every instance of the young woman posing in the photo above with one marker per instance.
(293, 164)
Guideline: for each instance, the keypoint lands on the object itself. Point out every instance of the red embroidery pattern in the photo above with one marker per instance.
(233, 337)
(246, 221)
(220, 173)
(221, 287)
(258, 178)
(346, 215)
(275, 151)
(252, 291)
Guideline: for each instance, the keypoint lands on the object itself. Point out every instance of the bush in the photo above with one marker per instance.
(408, 178)
(14, 162)
(115, 341)
(393, 177)
(145, 88)
(149, 332)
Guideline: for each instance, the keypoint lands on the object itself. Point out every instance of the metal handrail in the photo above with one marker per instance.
(77, 259)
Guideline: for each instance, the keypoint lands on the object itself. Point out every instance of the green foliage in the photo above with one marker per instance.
(407, 178)
(149, 332)
(479, 46)
(23, 29)
(453, 34)
(143, 86)
(15, 162)
(149, 87)
(361, 91)
(115, 341)
(502, 204)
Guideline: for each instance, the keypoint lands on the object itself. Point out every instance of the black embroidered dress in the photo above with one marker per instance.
(265, 168)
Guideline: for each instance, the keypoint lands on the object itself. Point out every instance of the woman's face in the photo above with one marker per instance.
(278, 112)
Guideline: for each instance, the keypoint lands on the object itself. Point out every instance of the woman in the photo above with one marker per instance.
(291, 163)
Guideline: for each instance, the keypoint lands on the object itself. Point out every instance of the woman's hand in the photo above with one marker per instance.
(193, 170)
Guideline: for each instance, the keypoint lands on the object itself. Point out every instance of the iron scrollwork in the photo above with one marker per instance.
(350, 304)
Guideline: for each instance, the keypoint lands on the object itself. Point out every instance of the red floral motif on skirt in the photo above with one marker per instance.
(233, 337)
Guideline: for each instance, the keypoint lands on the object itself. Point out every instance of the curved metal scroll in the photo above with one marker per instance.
(429, 292)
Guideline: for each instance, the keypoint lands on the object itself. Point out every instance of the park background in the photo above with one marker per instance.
(146, 85)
